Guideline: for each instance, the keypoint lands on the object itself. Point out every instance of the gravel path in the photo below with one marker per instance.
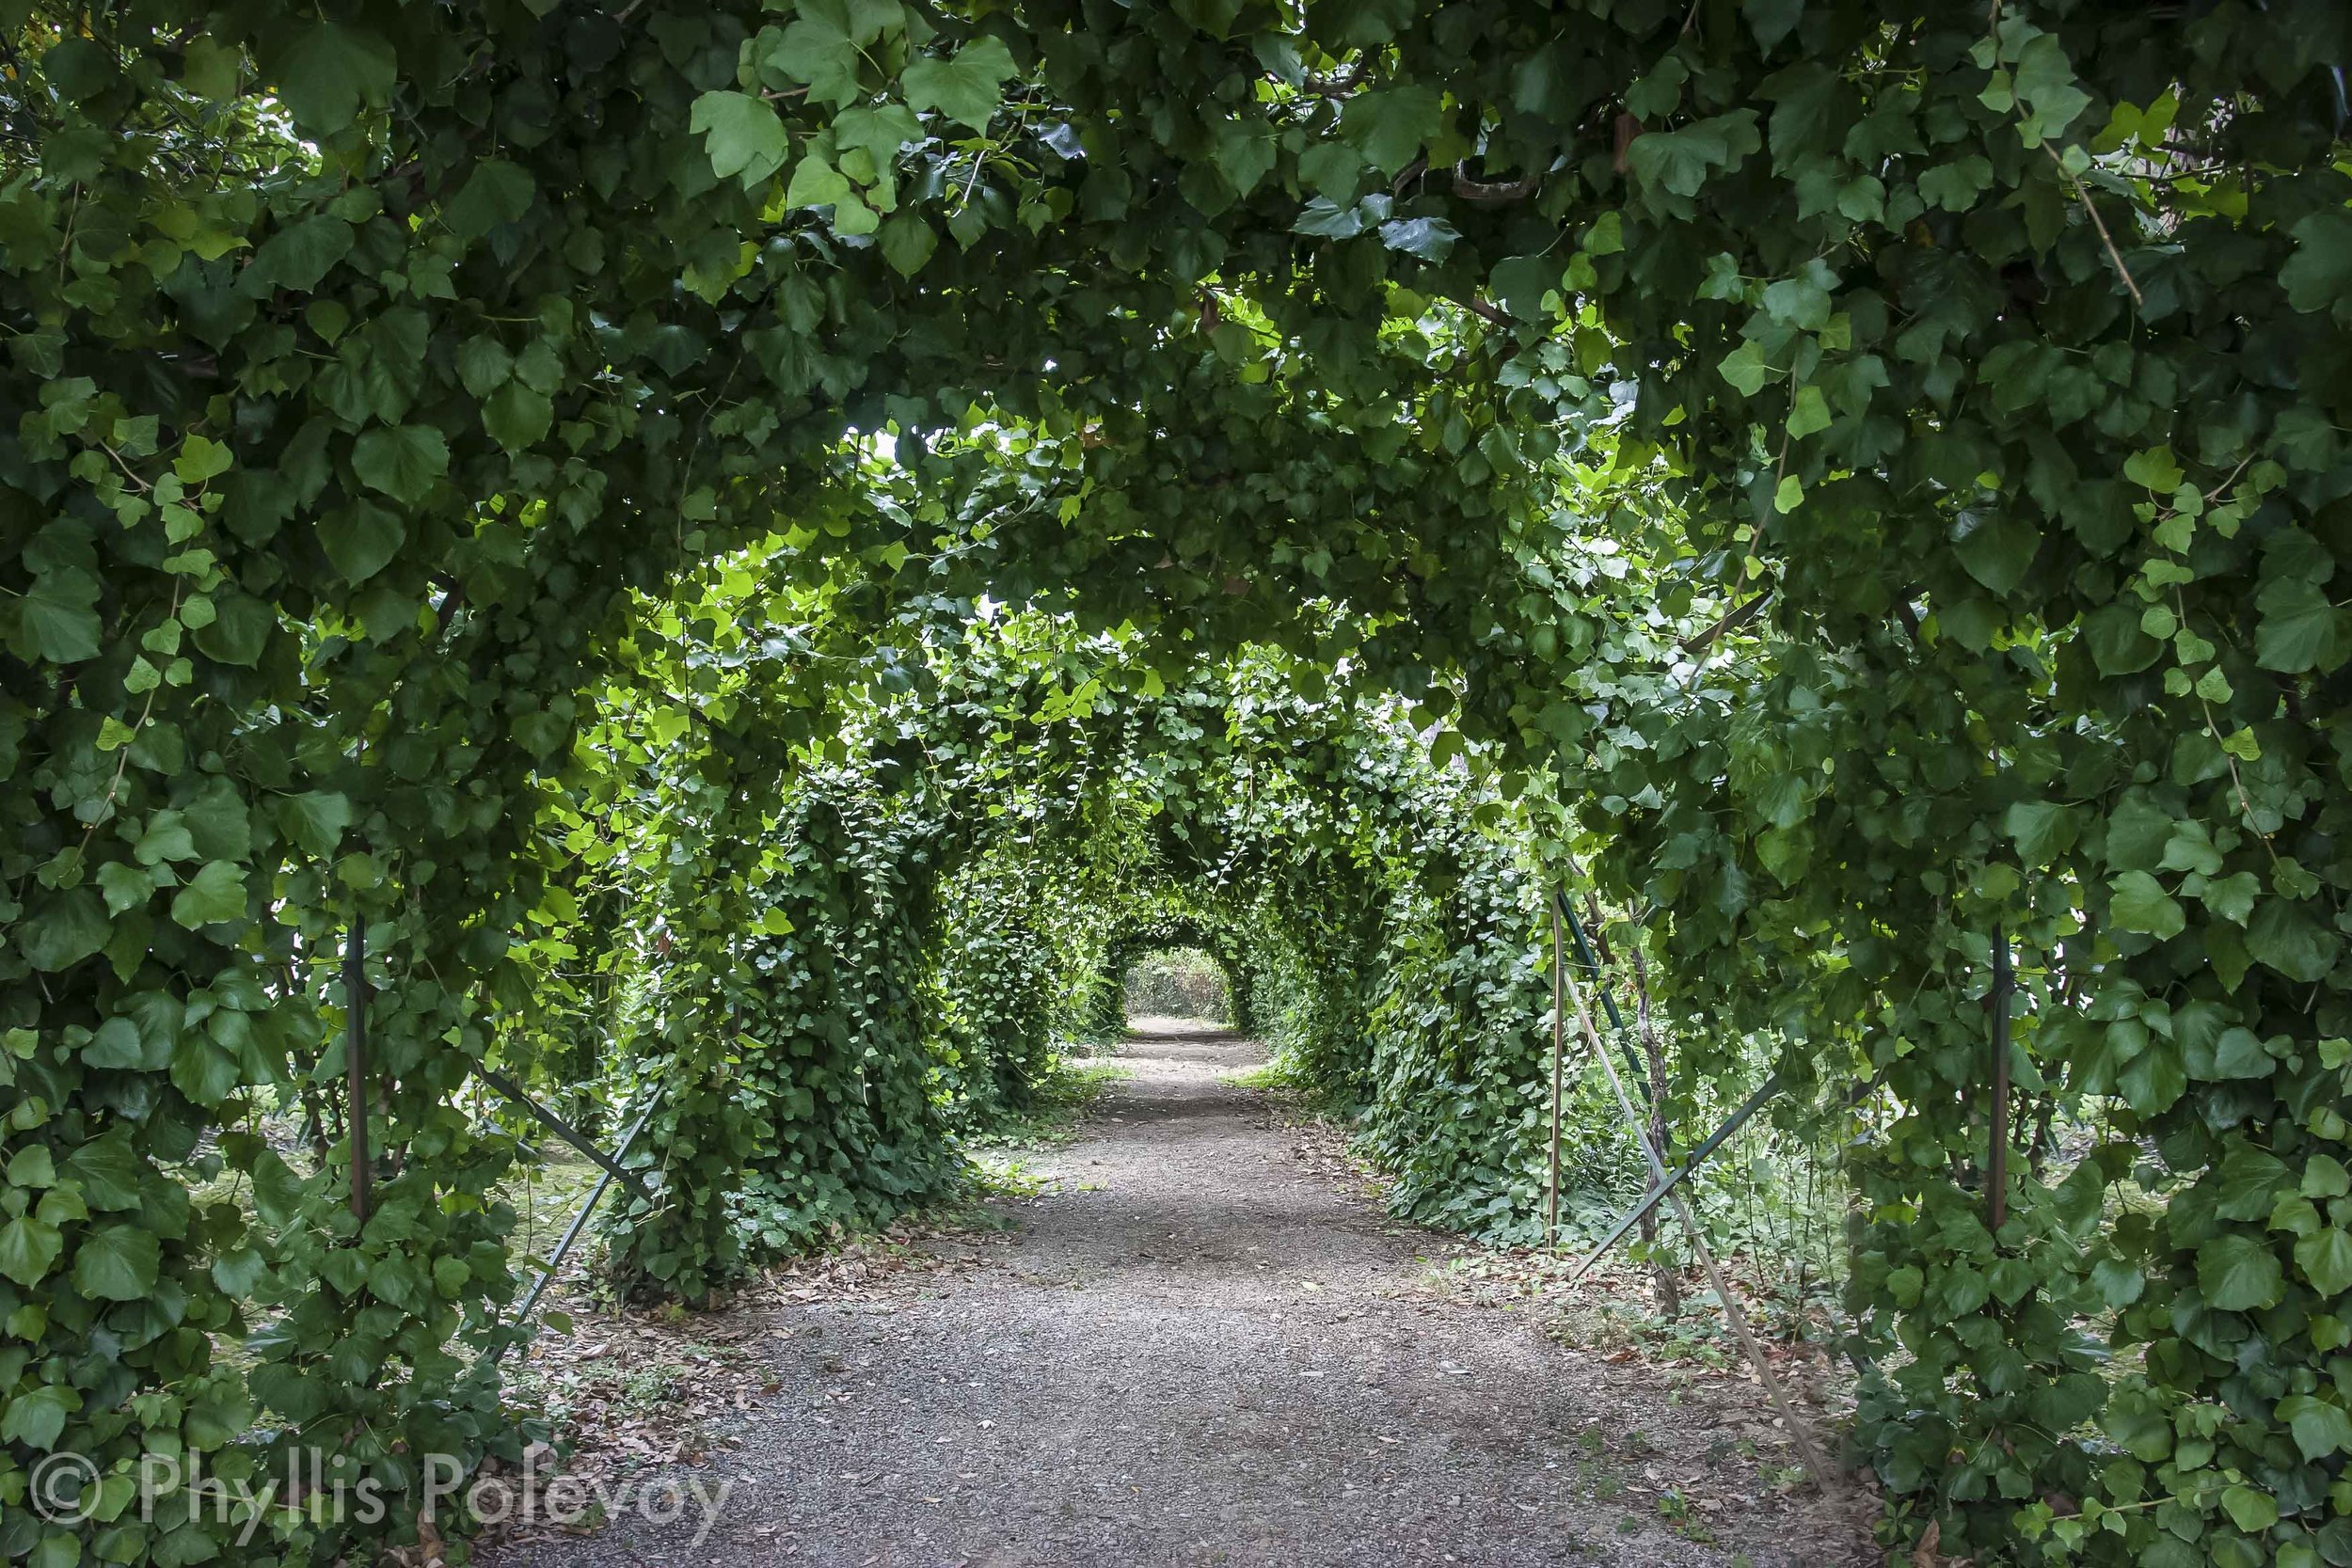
(1197, 1348)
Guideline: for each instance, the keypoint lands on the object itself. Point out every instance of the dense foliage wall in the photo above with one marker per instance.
(1388, 920)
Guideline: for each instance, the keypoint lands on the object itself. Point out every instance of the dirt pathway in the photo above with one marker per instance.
(1197, 1349)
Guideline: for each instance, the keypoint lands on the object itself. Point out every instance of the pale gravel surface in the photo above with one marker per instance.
(1195, 1349)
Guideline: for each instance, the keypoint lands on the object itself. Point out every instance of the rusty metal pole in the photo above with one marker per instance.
(1559, 1044)
(1996, 1167)
(356, 1061)
(1816, 1461)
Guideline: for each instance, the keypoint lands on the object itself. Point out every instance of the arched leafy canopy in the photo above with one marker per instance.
(869, 941)
(361, 362)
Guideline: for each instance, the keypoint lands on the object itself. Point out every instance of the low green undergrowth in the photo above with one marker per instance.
(1058, 1104)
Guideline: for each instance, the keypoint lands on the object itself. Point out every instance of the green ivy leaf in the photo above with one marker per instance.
(327, 73)
(2154, 1080)
(2042, 830)
(2239, 1274)
(211, 69)
(2231, 897)
(2324, 1257)
(2299, 629)
(483, 365)
(2320, 1429)
(907, 242)
(218, 827)
(517, 416)
(1325, 219)
(2139, 903)
(297, 257)
(1808, 412)
(2045, 84)
(1429, 239)
(819, 47)
(316, 820)
(403, 462)
(36, 1418)
(2119, 1283)
(124, 886)
(241, 629)
(28, 1249)
(2251, 1178)
(1744, 368)
(2140, 1425)
(817, 183)
(1519, 283)
(1244, 150)
(200, 460)
(2318, 277)
(1390, 125)
(278, 1191)
(63, 930)
(497, 192)
(966, 89)
(1772, 21)
(239, 1273)
(32, 1166)
(54, 618)
(116, 1044)
(217, 892)
(117, 1262)
(361, 539)
(2282, 937)
(288, 1391)
(2153, 468)
(202, 1070)
(2239, 1054)
(1956, 186)
(1802, 300)
(2250, 1510)
(2324, 1176)
(1332, 170)
(743, 135)
(1679, 160)
(1998, 550)
(107, 1170)
(2116, 645)
(879, 131)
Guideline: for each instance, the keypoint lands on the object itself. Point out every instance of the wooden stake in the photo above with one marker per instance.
(1558, 1043)
(1816, 1467)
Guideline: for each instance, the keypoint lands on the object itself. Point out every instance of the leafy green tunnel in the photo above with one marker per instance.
(747, 552)
(833, 958)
